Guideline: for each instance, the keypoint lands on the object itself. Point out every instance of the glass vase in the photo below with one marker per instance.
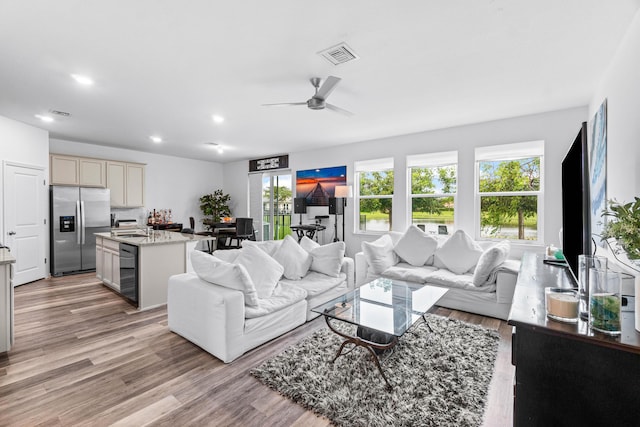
(605, 301)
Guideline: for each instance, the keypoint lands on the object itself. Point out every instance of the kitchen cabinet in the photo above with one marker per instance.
(93, 173)
(161, 254)
(110, 266)
(6, 300)
(126, 182)
(99, 257)
(135, 185)
(73, 170)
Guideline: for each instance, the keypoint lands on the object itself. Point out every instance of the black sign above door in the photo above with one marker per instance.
(269, 163)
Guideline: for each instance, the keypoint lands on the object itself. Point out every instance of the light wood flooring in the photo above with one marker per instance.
(82, 355)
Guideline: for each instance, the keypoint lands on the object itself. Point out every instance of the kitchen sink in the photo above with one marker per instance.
(132, 235)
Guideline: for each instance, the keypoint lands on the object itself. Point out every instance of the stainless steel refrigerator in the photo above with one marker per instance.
(76, 214)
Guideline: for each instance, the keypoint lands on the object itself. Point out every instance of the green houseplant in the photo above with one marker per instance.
(215, 206)
(625, 227)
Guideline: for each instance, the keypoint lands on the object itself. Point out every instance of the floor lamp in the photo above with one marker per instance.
(343, 192)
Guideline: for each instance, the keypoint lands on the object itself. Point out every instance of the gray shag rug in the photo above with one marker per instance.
(440, 372)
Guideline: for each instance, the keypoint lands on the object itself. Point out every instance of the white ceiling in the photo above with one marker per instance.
(163, 67)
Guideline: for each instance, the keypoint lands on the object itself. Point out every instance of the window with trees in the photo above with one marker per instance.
(374, 194)
(433, 186)
(509, 191)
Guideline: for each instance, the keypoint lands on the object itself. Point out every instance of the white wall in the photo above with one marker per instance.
(170, 182)
(621, 87)
(558, 129)
(24, 144)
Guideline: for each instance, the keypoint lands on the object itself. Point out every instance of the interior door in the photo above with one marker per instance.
(25, 201)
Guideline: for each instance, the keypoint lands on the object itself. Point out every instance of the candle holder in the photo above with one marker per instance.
(562, 304)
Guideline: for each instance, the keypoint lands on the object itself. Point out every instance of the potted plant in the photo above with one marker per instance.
(215, 207)
(625, 227)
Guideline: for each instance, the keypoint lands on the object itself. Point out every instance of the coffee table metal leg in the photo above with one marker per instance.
(369, 345)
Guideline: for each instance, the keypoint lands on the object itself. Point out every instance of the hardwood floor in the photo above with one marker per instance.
(82, 355)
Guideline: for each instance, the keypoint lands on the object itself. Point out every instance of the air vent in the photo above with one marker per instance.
(339, 54)
(60, 113)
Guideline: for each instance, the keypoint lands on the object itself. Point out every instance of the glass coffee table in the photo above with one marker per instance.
(383, 310)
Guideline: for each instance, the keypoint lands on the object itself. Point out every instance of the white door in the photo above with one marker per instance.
(25, 201)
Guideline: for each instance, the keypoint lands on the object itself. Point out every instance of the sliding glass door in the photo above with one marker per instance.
(276, 204)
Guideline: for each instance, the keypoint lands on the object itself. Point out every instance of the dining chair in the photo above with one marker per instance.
(192, 224)
(244, 231)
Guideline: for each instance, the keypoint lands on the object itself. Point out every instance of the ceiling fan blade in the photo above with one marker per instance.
(327, 87)
(338, 110)
(284, 104)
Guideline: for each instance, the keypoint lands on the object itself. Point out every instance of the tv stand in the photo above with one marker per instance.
(567, 375)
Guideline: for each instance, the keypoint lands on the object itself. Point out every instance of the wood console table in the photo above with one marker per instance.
(567, 375)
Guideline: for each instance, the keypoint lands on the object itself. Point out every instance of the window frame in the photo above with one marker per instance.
(431, 160)
(368, 166)
(509, 152)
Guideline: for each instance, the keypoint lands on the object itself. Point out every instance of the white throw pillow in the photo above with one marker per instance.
(395, 236)
(379, 254)
(308, 245)
(459, 253)
(489, 260)
(327, 259)
(295, 260)
(265, 272)
(268, 246)
(222, 273)
(228, 255)
(416, 246)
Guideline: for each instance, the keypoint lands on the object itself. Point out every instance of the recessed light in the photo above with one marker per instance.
(156, 139)
(46, 119)
(83, 80)
(217, 119)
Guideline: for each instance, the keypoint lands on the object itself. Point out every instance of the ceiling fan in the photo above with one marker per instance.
(319, 100)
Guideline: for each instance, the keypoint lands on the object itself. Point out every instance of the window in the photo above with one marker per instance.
(509, 191)
(374, 198)
(433, 180)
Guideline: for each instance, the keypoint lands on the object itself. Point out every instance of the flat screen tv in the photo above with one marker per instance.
(576, 229)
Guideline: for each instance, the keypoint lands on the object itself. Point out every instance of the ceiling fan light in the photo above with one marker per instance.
(315, 104)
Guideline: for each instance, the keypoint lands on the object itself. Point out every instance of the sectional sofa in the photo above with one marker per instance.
(237, 299)
(479, 275)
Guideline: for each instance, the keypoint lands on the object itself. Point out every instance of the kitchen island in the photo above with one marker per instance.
(160, 254)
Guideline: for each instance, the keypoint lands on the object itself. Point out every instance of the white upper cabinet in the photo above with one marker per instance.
(135, 185)
(72, 170)
(124, 179)
(93, 173)
(126, 182)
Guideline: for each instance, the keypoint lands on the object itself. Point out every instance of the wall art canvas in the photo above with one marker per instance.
(598, 170)
(318, 185)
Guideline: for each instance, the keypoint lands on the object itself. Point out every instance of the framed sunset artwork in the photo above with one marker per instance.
(316, 186)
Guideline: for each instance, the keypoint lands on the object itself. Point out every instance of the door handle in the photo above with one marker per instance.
(78, 229)
(84, 230)
(11, 233)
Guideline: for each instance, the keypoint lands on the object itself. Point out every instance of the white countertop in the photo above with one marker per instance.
(6, 257)
(157, 237)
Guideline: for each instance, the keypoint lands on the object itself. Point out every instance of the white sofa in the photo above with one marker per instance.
(216, 308)
(483, 281)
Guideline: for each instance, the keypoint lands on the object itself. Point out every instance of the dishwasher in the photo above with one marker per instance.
(129, 272)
